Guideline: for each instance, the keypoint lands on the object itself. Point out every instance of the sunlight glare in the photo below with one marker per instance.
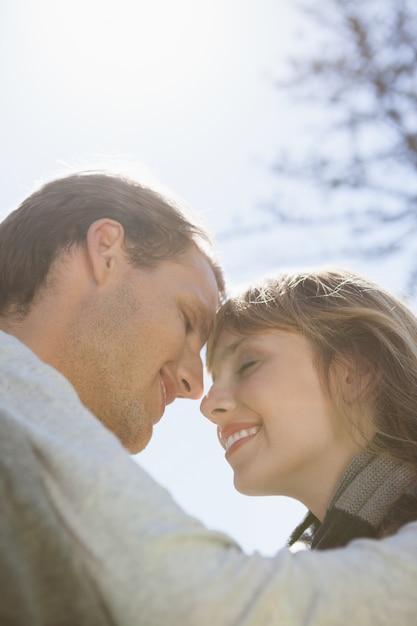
(149, 47)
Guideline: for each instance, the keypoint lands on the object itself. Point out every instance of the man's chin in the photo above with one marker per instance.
(137, 444)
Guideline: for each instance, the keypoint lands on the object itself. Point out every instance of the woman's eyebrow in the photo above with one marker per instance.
(226, 353)
(231, 348)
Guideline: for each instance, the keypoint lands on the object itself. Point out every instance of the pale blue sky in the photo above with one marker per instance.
(184, 87)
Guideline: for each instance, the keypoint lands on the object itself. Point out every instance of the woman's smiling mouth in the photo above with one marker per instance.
(232, 435)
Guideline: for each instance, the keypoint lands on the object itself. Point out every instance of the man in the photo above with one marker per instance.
(111, 285)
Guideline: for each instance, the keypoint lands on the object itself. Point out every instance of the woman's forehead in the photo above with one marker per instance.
(228, 342)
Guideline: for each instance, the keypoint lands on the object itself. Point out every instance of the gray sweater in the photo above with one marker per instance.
(87, 537)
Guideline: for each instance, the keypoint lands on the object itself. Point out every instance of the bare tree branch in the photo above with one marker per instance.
(363, 74)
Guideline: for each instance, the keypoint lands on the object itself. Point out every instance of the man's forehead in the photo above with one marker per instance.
(209, 273)
(203, 284)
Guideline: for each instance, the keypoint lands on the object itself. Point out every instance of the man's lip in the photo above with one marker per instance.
(231, 429)
(169, 388)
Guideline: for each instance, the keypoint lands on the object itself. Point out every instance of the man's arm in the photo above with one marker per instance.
(43, 581)
(151, 563)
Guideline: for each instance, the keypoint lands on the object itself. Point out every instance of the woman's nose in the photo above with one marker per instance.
(217, 403)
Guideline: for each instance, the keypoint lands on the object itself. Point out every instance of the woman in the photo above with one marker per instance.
(315, 397)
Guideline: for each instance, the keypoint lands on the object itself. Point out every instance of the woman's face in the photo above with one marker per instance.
(280, 430)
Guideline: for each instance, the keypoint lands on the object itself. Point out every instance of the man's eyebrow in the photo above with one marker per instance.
(202, 321)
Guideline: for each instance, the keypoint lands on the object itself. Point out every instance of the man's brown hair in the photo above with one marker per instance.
(56, 218)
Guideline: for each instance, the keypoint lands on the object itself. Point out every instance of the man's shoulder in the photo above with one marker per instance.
(20, 365)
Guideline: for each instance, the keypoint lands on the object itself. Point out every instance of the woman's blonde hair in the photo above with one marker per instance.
(347, 319)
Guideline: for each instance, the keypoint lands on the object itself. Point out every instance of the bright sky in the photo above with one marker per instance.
(184, 87)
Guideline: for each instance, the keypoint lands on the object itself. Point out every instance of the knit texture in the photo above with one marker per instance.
(367, 497)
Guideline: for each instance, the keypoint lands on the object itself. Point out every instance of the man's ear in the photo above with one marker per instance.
(105, 239)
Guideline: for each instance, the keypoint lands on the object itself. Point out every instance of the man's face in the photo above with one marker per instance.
(135, 346)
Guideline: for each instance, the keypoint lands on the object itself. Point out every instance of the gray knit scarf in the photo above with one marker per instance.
(370, 490)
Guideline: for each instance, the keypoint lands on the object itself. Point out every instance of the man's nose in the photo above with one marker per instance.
(190, 376)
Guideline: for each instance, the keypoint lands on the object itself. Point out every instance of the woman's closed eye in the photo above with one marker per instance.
(244, 367)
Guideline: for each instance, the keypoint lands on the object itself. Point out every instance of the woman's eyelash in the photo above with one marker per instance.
(245, 366)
